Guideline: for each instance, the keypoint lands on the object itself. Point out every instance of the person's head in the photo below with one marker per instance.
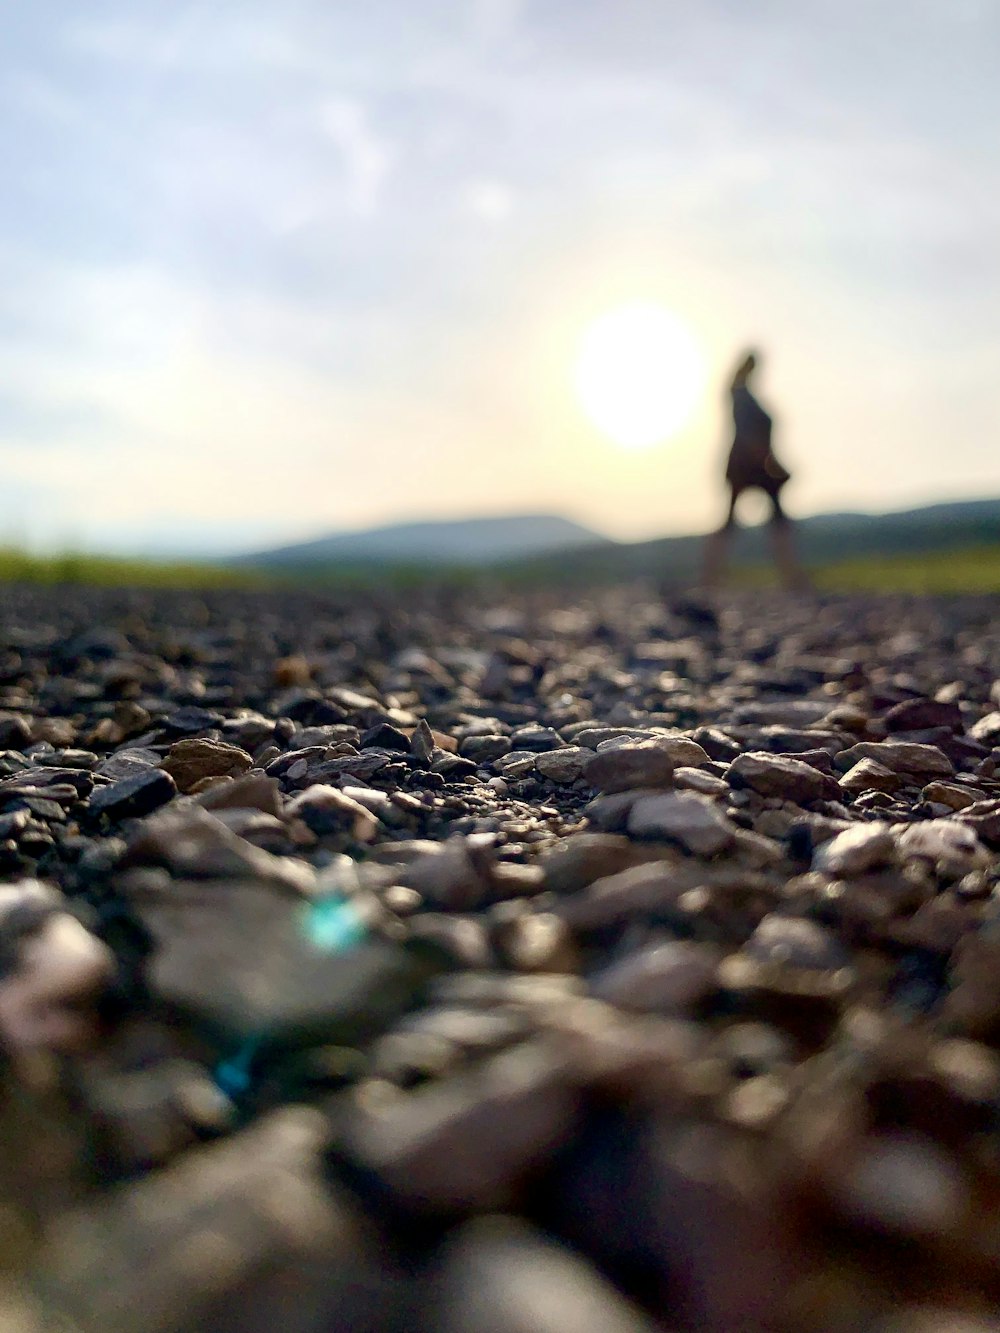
(745, 369)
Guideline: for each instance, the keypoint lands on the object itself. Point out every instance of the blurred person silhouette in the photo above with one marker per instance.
(753, 466)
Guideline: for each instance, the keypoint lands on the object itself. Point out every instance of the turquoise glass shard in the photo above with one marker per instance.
(333, 924)
(233, 1076)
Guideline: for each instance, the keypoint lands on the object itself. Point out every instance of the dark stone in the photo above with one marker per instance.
(386, 737)
(917, 714)
(133, 797)
(190, 720)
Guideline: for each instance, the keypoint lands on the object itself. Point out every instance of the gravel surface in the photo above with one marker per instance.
(438, 963)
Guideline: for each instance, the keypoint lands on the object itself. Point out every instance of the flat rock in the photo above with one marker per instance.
(189, 842)
(130, 798)
(795, 942)
(565, 765)
(778, 775)
(905, 757)
(191, 761)
(498, 1275)
(667, 978)
(857, 850)
(468, 1142)
(625, 767)
(694, 822)
(868, 775)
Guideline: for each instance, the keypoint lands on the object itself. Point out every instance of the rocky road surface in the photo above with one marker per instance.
(446, 963)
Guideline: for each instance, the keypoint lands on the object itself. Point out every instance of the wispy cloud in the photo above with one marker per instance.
(367, 158)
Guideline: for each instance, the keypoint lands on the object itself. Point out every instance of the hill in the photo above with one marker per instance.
(476, 541)
(823, 539)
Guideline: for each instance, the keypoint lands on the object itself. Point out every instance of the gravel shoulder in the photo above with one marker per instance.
(426, 962)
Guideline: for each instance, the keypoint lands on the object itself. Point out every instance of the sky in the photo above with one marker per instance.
(274, 270)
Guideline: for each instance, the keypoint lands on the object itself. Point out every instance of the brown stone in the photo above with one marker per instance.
(190, 761)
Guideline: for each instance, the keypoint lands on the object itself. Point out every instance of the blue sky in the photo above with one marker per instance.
(272, 270)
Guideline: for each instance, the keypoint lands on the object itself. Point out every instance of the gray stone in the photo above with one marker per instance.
(777, 775)
(190, 842)
(906, 757)
(469, 1142)
(565, 765)
(626, 767)
(668, 978)
(497, 1275)
(694, 822)
(132, 797)
(867, 775)
(795, 942)
(857, 850)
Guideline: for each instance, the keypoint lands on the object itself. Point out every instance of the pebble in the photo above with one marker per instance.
(53, 972)
(905, 757)
(131, 797)
(868, 775)
(464, 1144)
(498, 1275)
(669, 978)
(191, 761)
(778, 775)
(857, 850)
(694, 822)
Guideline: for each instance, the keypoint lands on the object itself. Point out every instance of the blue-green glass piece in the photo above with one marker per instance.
(333, 925)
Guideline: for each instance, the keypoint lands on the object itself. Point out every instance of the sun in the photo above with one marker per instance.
(639, 374)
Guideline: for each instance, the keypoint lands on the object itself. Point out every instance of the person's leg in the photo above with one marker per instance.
(718, 543)
(783, 548)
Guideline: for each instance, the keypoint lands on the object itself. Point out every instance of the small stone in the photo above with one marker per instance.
(856, 851)
(497, 1275)
(253, 791)
(696, 779)
(517, 764)
(795, 942)
(668, 978)
(905, 757)
(651, 888)
(535, 737)
(456, 874)
(226, 1230)
(565, 765)
(485, 749)
(952, 845)
(949, 794)
(693, 821)
(577, 861)
(133, 797)
(128, 762)
(189, 842)
(422, 744)
(468, 1142)
(987, 729)
(191, 719)
(777, 775)
(326, 809)
(921, 714)
(292, 670)
(538, 942)
(52, 972)
(867, 775)
(901, 1184)
(190, 761)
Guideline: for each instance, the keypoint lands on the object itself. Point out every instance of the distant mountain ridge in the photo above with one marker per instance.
(552, 546)
(822, 538)
(474, 541)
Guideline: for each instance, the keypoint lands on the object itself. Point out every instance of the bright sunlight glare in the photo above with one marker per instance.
(639, 374)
